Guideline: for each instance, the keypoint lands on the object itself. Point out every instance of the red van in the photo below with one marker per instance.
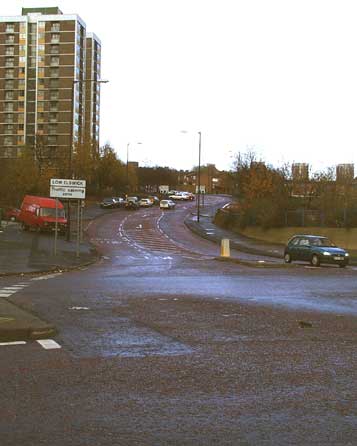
(39, 213)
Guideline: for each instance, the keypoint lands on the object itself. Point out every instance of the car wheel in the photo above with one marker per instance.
(315, 261)
(287, 258)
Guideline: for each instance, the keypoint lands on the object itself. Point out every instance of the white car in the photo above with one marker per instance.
(118, 202)
(145, 202)
(133, 199)
(167, 204)
(188, 196)
(177, 196)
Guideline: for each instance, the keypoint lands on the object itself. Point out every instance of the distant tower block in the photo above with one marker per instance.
(300, 172)
(345, 172)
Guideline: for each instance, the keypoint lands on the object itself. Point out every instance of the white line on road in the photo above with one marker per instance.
(13, 343)
(49, 276)
(48, 344)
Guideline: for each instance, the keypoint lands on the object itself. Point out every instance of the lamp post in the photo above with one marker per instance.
(70, 173)
(199, 177)
(198, 174)
(127, 165)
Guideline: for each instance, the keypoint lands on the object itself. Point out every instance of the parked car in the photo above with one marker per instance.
(118, 202)
(177, 196)
(108, 203)
(131, 205)
(134, 199)
(188, 196)
(167, 204)
(154, 199)
(315, 249)
(12, 214)
(145, 202)
(39, 213)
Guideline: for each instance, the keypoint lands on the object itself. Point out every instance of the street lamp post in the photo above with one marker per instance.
(199, 177)
(198, 174)
(70, 173)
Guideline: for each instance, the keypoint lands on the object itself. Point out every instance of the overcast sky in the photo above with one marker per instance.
(276, 76)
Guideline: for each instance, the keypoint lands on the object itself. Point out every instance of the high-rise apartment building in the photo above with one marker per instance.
(92, 97)
(49, 95)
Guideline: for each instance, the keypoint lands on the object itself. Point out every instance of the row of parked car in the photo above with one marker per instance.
(129, 202)
(151, 200)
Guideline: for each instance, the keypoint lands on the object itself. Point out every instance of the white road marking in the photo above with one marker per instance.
(13, 343)
(48, 344)
(6, 294)
(78, 308)
(49, 276)
(12, 288)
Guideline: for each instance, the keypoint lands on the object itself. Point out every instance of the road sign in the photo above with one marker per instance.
(68, 183)
(202, 189)
(67, 188)
(163, 189)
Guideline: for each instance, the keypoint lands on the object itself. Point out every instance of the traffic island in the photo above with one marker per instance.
(19, 325)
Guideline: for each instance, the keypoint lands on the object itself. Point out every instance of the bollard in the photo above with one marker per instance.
(225, 250)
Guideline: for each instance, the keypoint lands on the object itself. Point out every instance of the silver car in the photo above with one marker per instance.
(167, 204)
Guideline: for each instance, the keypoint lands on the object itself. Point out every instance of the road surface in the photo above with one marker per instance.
(161, 344)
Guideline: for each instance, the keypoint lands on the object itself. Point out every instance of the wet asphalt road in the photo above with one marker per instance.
(163, 345)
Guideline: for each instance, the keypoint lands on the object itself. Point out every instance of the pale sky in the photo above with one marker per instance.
(277, 76)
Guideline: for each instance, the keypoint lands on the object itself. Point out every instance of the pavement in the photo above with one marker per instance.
(207, 229)
(23, 253)
(257, 251)
(28, 253)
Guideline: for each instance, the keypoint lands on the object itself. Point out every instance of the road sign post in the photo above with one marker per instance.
(56, 228)
(78, 225)
(69, 189)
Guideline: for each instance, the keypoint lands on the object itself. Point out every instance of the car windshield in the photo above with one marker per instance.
(51, 212)
(321, 241)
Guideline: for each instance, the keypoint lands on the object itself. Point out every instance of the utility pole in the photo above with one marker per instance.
(199, 177)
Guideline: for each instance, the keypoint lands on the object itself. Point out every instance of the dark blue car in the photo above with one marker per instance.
(315, 249)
